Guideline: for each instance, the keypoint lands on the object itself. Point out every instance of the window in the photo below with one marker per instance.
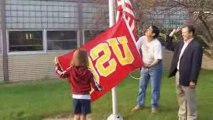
(90, 34)
(25, 41)
(61, 40)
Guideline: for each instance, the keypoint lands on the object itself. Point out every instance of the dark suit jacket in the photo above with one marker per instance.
(190, 62)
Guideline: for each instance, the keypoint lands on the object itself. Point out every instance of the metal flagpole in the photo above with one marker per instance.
(114, 115)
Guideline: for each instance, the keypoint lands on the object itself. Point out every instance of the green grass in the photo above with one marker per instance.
(40, 99)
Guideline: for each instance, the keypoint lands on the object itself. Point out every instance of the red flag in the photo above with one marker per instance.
(112, 55)
(125, 9)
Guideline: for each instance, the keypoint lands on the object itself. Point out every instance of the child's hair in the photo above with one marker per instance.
(80, 58)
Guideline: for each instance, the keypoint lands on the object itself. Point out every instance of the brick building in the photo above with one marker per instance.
(33, 32)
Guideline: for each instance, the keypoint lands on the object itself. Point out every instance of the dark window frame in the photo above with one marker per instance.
(28, 36)
(73, 39)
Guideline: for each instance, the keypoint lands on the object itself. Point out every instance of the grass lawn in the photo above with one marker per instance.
(40, 99)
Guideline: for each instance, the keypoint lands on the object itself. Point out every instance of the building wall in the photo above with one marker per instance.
(0, 28)
(0, 13)
(164, 17)
(40, 14)
(1, 62)
(41, 66)
(1, 69)
(95, 16)
(207, 63)
(43, 15)
(32, 66)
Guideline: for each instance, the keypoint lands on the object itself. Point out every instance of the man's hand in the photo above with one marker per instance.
(175, 30)
(146, 66)
(192, 85)
(155, 62)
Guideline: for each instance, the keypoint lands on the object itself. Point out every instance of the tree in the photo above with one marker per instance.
(201, 15)
(198, 12)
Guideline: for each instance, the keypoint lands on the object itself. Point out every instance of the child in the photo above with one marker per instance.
(81, 80)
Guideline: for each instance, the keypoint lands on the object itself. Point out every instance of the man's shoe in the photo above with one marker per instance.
(136, 108)
(154, 110)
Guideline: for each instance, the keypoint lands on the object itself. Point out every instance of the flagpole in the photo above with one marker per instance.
(114, 115)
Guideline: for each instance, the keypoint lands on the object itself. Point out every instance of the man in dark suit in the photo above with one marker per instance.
(186, 64)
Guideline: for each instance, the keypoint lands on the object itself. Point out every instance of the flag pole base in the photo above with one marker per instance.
(115, 117)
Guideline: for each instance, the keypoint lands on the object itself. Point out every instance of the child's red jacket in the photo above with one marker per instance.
(81, 79)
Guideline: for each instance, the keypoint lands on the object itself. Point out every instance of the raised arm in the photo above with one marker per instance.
(60, 73)
(169, 44)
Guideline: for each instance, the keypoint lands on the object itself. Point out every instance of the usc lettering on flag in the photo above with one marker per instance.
(112, 56)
